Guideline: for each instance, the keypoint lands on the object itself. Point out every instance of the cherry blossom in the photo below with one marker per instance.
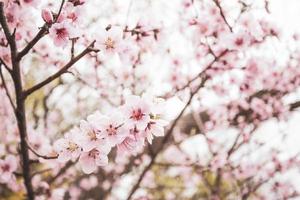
(92, 136)
(93, 158)
(113, 129)
(68, 147)
(7, 167)
(137, 112)
(47, 16)
(86, 86)
(110, 41)
(61, 33)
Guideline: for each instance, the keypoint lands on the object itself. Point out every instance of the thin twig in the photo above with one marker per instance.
(61, 71)
(5, 65)
(6, 90)
(216, 58)
(59, 11)
(43, 31)
(61, 171)
(222, 14)
(39, 155)
(40, 172)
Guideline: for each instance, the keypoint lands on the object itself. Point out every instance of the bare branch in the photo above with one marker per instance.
(5, 65)
(166, 138)
(61, 71)
(39, 155)
(30, 45)
(43, 31)
(6, 90)
(222, 14)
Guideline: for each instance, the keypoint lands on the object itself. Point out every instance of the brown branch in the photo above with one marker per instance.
(6, 90)
(39, 155)
(222, 14)
(43, 31)
(61, 71)
(5, 65)
(165, 139)
(61, 171)
(59, 11)
(294, 105)
(20, 104)
(216, 58)
(9, 37)
(40, 172)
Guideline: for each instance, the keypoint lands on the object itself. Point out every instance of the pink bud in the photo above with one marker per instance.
(47, 16)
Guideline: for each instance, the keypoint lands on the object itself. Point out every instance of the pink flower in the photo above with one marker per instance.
(91, 133)
(68, 147)
(61, 33)
(7, 167)
(155, 128)
(133, 142)
(93, 158)
(47, 16)
(137, 112)
(110, 42)
(33, 3)
(113, 129)
(156, 125)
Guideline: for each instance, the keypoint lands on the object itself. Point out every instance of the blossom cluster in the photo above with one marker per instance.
(127, 128)
(64, 26)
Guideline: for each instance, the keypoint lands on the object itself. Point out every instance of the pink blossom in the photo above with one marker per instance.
(47, 16)
(129, 145)
(113, 129)
(110, 41)
(31, 2)
(61, 33)
(91, 133)
(68, 147)
(137, 112)
(155, 128)
(132, 143)
(93, 158)
(7, 167)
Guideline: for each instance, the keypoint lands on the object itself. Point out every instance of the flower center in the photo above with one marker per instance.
(93, 135)
(5, 168)
(109, 43)
(137, 114)
(111, 130)
(239, 41)
(72, 146)
(61, 32)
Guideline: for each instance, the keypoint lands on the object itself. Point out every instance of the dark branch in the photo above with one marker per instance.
(39, 155)
(166, 138)
(43, 31)
(6, 90)
(222, 14)
(61, 71)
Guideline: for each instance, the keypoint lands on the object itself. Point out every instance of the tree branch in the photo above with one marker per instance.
(39, 155)
(166, 138)
(5, 65)
(61, 71)
(30, 45)
(20, 104)
(6, 90)
(222, 14)
(43, 31)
